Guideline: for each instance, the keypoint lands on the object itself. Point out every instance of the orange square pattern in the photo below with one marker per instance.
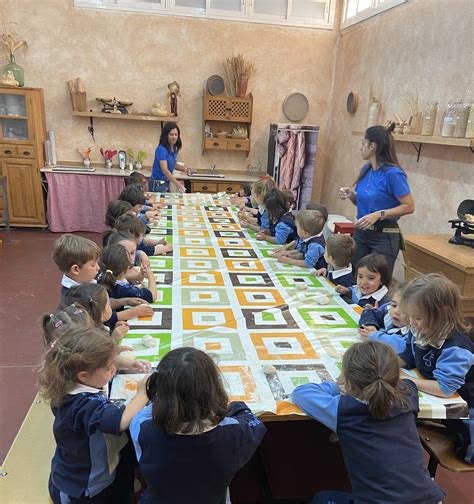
(227, 243)
(276, 300)
(225, 227)
(215, 278)
(188, 323)
(194, 233)
(213, 345)
(189, 252)
(233, 265)
(250, 388)
(262, 350)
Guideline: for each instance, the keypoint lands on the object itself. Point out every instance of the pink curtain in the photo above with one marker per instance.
(78, 202)
(292, 161)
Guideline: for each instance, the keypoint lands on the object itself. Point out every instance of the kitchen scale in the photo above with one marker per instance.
(464, 225)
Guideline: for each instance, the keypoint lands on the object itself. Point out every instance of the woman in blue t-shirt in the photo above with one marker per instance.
(165, 161)
(381, 194)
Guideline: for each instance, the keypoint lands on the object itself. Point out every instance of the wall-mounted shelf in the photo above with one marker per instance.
(434, 140)
(121, 117)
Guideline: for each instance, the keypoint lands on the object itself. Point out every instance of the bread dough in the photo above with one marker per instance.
(268, 369)
(148, 341)
(323, 300)
(301, 286)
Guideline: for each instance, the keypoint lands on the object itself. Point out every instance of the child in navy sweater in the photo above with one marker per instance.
(90, 463)
(387, 324)
(282, 221)
(190, 442)
(373, 278)
(439, 347)
(309, 246)
(256, 219)
(373, 414)
(114, 266)
(339, 251)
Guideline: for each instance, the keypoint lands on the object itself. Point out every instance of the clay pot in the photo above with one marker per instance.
(242, 88)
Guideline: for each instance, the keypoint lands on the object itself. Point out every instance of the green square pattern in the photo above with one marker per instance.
(313, 281)
(167, 263)
(166, 295)
(164, 345)
(299, 380)
(348, 321)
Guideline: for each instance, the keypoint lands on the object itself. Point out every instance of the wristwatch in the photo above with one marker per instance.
(382, 214)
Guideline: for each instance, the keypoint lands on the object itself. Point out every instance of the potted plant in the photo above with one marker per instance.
(130, 158)
(141, 155)
(12, 42)
(108, 154)
(237, 73)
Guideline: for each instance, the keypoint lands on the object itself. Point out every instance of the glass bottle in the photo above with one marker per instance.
(373, 113)
(429, 118)
(16, 70)
(470, 124)
(448, 121)
(462, 116)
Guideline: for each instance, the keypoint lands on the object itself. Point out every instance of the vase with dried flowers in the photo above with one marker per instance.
(237, 72)
(12, 42)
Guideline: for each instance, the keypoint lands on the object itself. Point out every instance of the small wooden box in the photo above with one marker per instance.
(344, 228)
(79, 101)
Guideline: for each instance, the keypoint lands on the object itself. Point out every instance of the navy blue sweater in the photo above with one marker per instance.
(119, 291)
(384, 458)
(87, 432)
(194, 468)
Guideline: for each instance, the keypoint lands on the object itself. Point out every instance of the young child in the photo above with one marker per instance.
(289, 196)
(373, 279)
(310, 243)
(190, 432)
(256, 219)
(115, 209)
(54, 324)
(137, 177)
(320, 208)
(114, 266)
(77, 258)
(439, 347)
(388, 324)
(89, 463)
(340, 249)
(95, 300)
(282, 222)
(134, 226)
(136, 197)
(243, 196)
(373, 413)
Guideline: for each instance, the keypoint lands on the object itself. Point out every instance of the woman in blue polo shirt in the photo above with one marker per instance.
(165, 161)
(381, 194)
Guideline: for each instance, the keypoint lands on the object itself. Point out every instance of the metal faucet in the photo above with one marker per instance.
(212, 167)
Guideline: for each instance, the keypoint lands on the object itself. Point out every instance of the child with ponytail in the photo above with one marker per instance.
(114, 265)
(92, 461)
(373, 413)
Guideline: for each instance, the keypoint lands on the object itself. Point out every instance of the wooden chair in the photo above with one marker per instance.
(440, 447)
(5, 216)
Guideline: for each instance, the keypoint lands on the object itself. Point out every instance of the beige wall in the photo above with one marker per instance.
(133, 56)
(423, 46)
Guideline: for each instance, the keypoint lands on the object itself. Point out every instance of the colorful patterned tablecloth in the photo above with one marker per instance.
(222, 292)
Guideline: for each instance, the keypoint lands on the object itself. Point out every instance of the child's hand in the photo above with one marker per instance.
(319, 272)
(152, 214)
(283, 259)
(366, 330)
(244, 223)
(277, 250)
(133, 301)
(144, 310)
(370, 306)
(141, 389)
(135, 276)
(340, 289)
(165, 249)
(138, 366)
(162, 242)
(124, 348)
(143, 259)
(120, 330)
(261, 236)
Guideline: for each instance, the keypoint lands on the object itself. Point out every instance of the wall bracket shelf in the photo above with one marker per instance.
(418, 140)
(127, 117)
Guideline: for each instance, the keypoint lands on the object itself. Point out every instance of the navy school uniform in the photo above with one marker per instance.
(384, 458)
(284, 229)
(312, 249)
(67, 283)
(194, 468)
(123, 289)
(148, 249)
(341, 276)
(262, 218)
(386, 332)
(89, 446)
(380, 296)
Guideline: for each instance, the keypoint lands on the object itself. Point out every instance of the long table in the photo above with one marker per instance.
(266, 324)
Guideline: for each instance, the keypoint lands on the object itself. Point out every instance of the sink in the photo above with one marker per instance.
(79, 168)
(207, 175)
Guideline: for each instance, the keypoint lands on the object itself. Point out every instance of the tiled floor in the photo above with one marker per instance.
(29, 288)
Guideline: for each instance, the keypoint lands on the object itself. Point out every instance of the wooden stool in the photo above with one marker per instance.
(436, 441)
(5, 216)
(344, 228)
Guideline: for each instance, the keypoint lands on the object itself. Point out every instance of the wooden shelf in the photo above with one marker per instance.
(434, 140)
(15, 117)
(127, 117)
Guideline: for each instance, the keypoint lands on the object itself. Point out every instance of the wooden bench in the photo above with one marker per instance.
(440, 447)
(26, 468)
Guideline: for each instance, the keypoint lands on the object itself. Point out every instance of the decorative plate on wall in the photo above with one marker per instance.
(215, 85)
(352, 102)
(295, 106)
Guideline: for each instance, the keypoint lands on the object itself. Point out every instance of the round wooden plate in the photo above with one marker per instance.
(295, 106)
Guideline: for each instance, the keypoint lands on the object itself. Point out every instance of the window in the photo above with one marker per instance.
(355, 11)
(304, 13)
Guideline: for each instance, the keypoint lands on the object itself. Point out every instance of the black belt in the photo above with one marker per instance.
(385, 226)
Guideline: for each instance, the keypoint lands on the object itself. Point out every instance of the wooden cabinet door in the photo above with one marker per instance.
(240, 109)
(25, 197)
(216, 108)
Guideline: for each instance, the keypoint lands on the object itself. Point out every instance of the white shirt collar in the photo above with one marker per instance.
(309, 238)
(340, 272)
(377, 295)
(122, 282)
(79, 388)
(68, 282)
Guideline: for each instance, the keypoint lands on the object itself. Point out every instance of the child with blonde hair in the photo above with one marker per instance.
(91, 462)
(439, 347)
(256, 219)
(373, 413)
